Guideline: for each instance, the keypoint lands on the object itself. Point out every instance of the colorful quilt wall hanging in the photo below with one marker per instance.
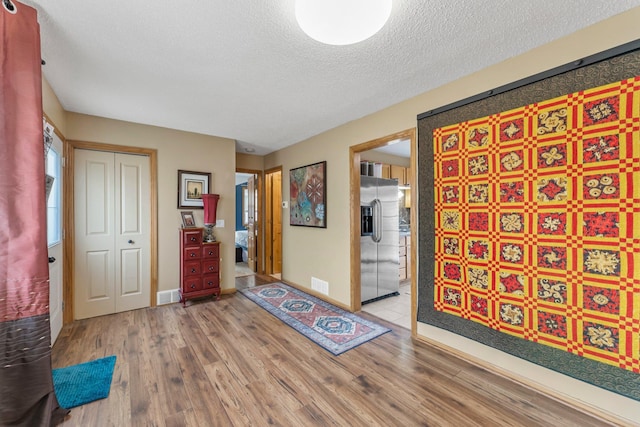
(534, 224)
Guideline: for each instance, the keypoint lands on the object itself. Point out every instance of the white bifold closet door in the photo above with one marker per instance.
(112, 221)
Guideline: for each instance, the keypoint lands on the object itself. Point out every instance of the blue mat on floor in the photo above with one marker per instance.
(79, 384)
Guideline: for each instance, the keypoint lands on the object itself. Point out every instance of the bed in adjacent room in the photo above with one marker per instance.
(241, 246)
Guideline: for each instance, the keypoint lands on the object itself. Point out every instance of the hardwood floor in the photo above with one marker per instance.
(231, 363)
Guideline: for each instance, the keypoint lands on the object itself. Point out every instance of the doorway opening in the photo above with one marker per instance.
(248, 217)
(392, 157)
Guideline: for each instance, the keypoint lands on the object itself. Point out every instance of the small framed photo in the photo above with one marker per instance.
(188, 221)
(191, 186)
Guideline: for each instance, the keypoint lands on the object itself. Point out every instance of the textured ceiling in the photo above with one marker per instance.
(244, 70)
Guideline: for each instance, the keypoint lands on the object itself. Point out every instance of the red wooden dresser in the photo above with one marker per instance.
(199, 266)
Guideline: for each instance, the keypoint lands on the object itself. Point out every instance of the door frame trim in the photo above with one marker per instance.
(260, 224)
(354, 161)
(68, 200)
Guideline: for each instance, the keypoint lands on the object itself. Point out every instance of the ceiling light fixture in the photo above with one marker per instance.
(342, 22)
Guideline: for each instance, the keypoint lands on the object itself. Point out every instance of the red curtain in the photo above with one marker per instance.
(26, 387)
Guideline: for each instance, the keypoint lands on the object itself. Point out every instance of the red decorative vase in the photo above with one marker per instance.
(210, 202)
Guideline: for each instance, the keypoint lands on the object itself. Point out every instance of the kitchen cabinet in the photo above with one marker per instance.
(402, 174)
(199, 266)
(386, 171)
(397, 172)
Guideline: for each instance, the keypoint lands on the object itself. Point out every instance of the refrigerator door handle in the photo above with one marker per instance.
(377, 220)
(374, 216)
(380, 222)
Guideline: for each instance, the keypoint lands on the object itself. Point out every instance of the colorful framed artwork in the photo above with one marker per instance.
(307, 195)
(191, 186)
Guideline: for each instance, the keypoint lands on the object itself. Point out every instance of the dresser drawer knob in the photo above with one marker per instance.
(193, 239)
(210, 252)
(192, 254)
(210, 268)
(193, 270)
(210, 283)
(193, 286)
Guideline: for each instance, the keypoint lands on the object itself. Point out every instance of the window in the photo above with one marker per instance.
(54, 220)
(245, 205)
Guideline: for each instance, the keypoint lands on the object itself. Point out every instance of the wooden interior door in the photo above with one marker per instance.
(273, 222)
(251, 224)
(268, 221)
(276, 222)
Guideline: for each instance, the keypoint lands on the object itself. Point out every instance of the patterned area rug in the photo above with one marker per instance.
(80, 384)
(328, 326)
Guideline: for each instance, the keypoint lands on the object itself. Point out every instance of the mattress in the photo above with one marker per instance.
(241, 239)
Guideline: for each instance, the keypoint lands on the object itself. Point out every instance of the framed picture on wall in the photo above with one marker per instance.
(307, 195)
(191, 186)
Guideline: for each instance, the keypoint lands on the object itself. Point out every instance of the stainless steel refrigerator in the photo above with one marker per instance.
(379, 238)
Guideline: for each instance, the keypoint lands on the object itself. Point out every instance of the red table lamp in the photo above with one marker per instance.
(210, 202)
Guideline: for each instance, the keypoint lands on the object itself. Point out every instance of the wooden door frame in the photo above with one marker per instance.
(354, 161)
(268, 253)
(260, 223)
(68, 200)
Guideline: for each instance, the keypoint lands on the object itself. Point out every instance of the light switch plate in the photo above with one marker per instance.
(285, 205)
(220, 223)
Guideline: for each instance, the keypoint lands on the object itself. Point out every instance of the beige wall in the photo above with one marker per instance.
(52, 108)
(333, 146)
(176, 150)
(249, 161)
(324, 253)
